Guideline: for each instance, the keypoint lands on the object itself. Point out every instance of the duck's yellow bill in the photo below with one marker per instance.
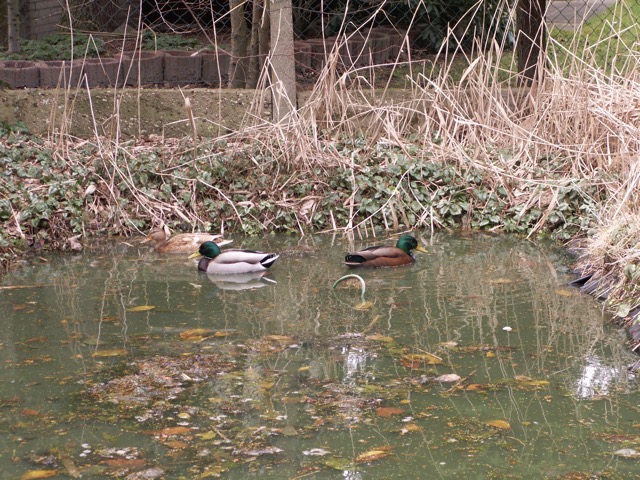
(421, 249)
(194, 255)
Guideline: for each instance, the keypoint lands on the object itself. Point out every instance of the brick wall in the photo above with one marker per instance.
(41, 18)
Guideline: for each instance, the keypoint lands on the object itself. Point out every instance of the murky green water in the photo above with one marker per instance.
(296, 380)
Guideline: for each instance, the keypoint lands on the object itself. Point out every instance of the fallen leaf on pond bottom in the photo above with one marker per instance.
(72, 470)
(372, 455)
(447, 378)
(388, 412)
(379, 338)
(525, 381)
(364, 306)
(141, 308)
(409, 427)
(116, 352)
(195, 334)
(304, 369)
(256, 452)
(477, 386)
(501, 424)
(33, 474)
(415, 360)
(29, 412)
(171, 431)
(627, 453)
(226, 333)
(341, 464)
(500, 280)
(280, 338)
(210, 435)
(316, 452)
(176, 444)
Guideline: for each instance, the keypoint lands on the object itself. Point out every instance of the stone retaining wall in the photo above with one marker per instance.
(194, 68)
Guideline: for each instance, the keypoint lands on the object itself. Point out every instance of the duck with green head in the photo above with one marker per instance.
(214, 261)
(385, 255)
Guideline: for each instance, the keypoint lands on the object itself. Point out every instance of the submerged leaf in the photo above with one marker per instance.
(171, 431)
(195, 334)
(116, 352)
(388, 412)
(447, 378)
(372, 455)
(141, 308)
(316, 452)
(340, 464)
(379, 338)
(414, 360)
(280, 338)
(256, 452)
(627, 453)
(33, 474)
(364, 306)
(501, 424)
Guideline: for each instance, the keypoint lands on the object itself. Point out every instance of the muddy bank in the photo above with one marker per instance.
(134, 113)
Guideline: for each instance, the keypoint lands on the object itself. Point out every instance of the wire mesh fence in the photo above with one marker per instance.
(312, 18)
(320, 24)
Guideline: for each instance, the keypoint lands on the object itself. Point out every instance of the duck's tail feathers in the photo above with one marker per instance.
(269, 260)
(354, 260)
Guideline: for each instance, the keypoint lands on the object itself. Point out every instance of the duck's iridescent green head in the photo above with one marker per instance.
(406, 243)
(207, 249)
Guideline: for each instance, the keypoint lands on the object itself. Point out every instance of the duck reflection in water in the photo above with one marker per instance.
(241, 281)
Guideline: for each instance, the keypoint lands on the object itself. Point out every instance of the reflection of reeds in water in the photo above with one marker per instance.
(466, 290)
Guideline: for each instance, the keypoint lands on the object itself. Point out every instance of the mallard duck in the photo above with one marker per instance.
(181, 243)
(385, 255)
(214, 261)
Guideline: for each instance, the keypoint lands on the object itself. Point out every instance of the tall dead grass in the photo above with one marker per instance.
(581, 114)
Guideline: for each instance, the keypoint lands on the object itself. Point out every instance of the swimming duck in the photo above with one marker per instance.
(385, 256)
(181, 243)
(214, 261)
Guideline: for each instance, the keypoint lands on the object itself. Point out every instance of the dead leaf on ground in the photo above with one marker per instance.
(563, 292)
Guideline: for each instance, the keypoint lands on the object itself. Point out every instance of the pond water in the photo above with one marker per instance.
(475, 362)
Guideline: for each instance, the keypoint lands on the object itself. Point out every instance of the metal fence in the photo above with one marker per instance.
(312, 18)
(192, 16)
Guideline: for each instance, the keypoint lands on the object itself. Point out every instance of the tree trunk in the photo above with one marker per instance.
(257, 56)
(239, 45)
(13, 25)
(283, 68)
(532, 37)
